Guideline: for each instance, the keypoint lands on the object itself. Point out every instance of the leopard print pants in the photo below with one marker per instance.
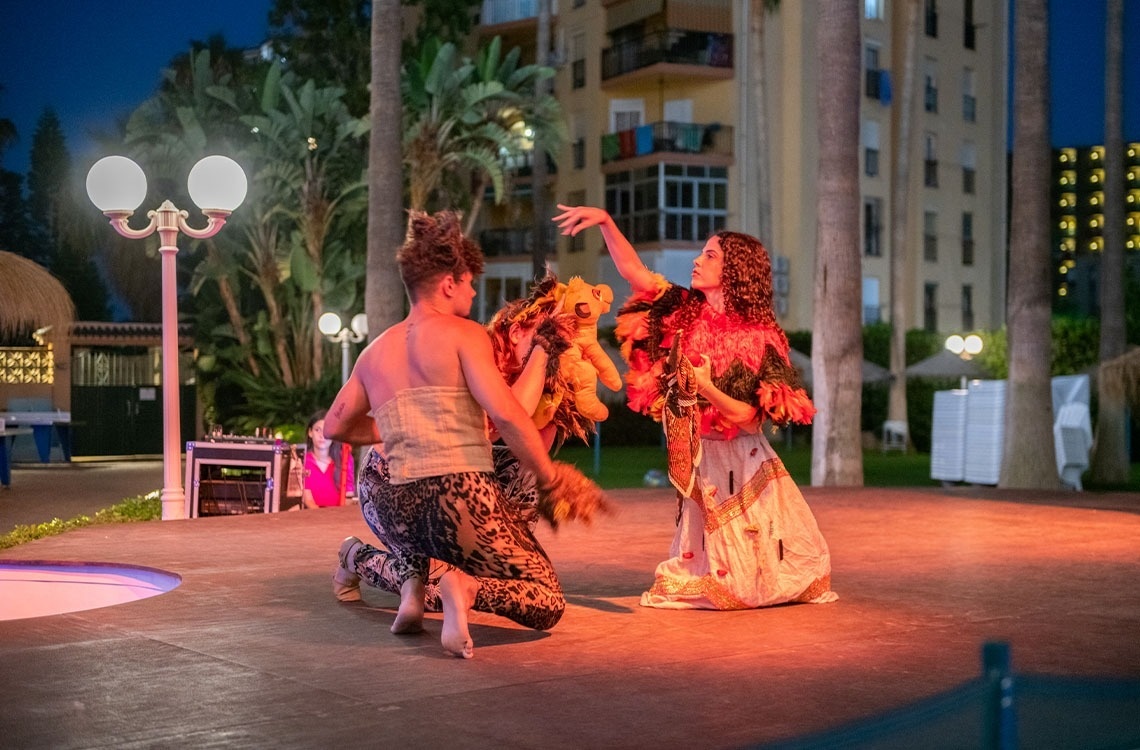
(462, 520)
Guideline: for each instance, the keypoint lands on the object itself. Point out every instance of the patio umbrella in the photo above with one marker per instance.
(31, 298)
(872, 373)
(946, 364)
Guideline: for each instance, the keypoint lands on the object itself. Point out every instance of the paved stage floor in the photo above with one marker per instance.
(251, 650)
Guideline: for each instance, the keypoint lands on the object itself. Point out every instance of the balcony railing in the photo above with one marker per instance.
(521, 164)
(667, 137)
(672, 46)
(497, 243)
(506, 11)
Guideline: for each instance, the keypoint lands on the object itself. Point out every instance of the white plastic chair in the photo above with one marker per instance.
(894, 435)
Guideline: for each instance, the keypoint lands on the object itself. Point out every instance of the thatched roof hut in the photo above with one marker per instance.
(1122, 376)
(31, 298)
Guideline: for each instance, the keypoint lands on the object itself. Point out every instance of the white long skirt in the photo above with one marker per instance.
(745, 538)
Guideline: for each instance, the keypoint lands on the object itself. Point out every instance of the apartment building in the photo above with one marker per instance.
(1077, 211)
(657, 99)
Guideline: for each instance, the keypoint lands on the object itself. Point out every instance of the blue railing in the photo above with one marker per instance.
(667, 137)
(1000, 710)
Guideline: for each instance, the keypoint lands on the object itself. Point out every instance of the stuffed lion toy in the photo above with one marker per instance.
(585, 362)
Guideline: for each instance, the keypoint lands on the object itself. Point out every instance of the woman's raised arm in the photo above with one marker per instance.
(574, 219)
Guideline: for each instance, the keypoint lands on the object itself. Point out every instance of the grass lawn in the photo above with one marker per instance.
(625, 466)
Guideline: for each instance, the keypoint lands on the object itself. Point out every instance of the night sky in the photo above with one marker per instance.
(94, 61)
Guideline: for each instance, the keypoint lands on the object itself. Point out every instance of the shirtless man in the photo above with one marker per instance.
(427, 385)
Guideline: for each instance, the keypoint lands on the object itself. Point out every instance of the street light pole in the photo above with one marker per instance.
(117, 186)
(334, 329)
(356, 331)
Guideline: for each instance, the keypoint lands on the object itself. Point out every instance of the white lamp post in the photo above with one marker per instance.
(966, 348)
(332, 327)
(117, 186)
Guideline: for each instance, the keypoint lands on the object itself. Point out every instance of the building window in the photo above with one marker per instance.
(930, 161)
(684, 202)
(930, 91)
(873, 9)
(578, 61)
(931, 18)
(872, 311)
(874, 74)
(871, 161)
(969, 159)
(969, 28)
(873, 227)
(870, 137)
(969, 100)
(967, 239)
(930, 306)
(930, 236)
(967, 307)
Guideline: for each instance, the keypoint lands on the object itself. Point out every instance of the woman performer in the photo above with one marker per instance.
(711, 363)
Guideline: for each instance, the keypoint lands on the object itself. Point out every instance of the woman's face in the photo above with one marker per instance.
(464, 295)
(317, 435)
(708, 266)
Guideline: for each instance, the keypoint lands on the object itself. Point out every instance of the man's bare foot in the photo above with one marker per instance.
(410, 615)
(457, 590)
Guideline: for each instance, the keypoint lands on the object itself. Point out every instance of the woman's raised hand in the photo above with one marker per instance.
(574, 219)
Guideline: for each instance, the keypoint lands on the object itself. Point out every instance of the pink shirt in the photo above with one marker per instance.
(323, 484)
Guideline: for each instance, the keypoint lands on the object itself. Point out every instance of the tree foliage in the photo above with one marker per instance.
(294, 245)
(464, 117)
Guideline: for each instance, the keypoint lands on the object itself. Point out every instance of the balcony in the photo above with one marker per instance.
(694, 53)
(506, 242)
(520, 165)
(495, 12)
(710, 139)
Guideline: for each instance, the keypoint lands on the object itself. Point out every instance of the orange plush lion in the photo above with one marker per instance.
(585, 362)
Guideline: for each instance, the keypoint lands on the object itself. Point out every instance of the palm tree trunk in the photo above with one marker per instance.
(1109, 463)
(1027, 459)
(837, 337)
(229, 301)
(383, 290)
(904, 146)
(761, 149)
(477, 192)
(538, 171)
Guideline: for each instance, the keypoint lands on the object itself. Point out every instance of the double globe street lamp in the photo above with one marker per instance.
(965, 347)
(333, 327)
(117, 186)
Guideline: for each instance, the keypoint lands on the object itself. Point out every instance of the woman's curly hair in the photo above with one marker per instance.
(746, 282)
(435, 245)
(746, 278)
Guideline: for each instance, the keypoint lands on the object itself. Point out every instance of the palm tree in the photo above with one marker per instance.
(461, 120)
(538, 171)
(1109, 463)
(904, 147)
(443, 134)
(1027, 459)
(837, 341)
(384, 293)
(169, 131)
(760, 149)
(314, 146)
